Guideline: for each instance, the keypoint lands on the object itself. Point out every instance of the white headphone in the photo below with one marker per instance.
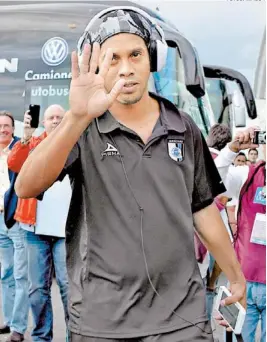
(158, 48)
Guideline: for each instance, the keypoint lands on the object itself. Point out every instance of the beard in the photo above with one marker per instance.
(130, 100)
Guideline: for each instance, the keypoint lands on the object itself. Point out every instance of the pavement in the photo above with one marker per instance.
(59, 322)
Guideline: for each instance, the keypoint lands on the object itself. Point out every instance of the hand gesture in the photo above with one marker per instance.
(244, 140)
(27, 129)
(88, 96)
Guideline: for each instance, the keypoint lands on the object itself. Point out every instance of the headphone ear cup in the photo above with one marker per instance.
(153, 55)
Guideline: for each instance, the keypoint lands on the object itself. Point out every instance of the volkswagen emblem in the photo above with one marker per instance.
(55, 51)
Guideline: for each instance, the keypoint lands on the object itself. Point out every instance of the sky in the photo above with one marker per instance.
(225, 32)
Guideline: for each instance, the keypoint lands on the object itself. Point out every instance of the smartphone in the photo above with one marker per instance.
(34, 112)
(260, 138)
(233, 314)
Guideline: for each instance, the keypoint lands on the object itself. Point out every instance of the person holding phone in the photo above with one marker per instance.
(247, 186)
(43, 222)
(143, 179)
(13, 256)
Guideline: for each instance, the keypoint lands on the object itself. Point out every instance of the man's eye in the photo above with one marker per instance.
(136, 54)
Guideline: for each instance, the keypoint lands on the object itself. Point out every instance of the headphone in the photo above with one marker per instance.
(157, 48)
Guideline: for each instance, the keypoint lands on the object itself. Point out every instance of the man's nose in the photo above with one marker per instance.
(126, 68)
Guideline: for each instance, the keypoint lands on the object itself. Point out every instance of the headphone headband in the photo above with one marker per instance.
(127, 8)
(157, 48)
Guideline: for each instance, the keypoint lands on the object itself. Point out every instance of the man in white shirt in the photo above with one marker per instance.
(13, 256)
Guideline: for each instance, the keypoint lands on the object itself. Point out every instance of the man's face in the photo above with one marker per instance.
(253, 156)
(240, 161)
(6, 130)
(130, 63)
(52, 119)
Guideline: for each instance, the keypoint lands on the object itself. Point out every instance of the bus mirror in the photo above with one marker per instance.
(239, 110)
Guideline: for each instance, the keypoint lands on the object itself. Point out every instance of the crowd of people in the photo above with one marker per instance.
(32, 247)
(243, 207)
(110, 197)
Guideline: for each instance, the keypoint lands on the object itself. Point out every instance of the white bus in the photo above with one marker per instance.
(37, 37)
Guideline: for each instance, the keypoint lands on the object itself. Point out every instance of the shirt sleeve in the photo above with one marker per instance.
(71, 163)
(207, 181)
(224, 160)
(236, 178)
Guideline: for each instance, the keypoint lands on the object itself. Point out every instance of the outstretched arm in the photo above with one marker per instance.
(88, 100)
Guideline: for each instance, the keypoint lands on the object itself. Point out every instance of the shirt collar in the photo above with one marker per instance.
(213, 150)
(6, 149)
(170, 116)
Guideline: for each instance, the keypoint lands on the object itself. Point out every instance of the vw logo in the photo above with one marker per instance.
(55, 51)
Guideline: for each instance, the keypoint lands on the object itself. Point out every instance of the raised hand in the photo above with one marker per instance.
(88, 97)
(27, 129)
(244, 140)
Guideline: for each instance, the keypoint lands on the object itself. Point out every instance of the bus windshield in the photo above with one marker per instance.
(221, 92)
(170, 83)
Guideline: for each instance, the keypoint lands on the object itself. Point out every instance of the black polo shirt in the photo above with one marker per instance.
(131, 219)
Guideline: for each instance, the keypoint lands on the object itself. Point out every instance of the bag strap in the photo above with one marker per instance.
(251, 175)
(229, 337)
(239, 338)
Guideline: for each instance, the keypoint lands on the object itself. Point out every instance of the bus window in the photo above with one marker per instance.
(47, 92)
(170, 83)
(216, 92)
(220, 92)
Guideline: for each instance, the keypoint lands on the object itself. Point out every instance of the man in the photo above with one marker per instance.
(219, 136)
(43, 223)
(248, 187)
(240, 159)
(131, 264)
(13, 257)
(253, 155)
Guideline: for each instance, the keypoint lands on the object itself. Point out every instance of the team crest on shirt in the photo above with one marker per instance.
(176, 150)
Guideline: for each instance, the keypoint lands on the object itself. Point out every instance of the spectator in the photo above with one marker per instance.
(240, 159)
(13, 256)
(248, 187)
(220, 137)
(142, 178)
(43, 223)
(253, 155)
